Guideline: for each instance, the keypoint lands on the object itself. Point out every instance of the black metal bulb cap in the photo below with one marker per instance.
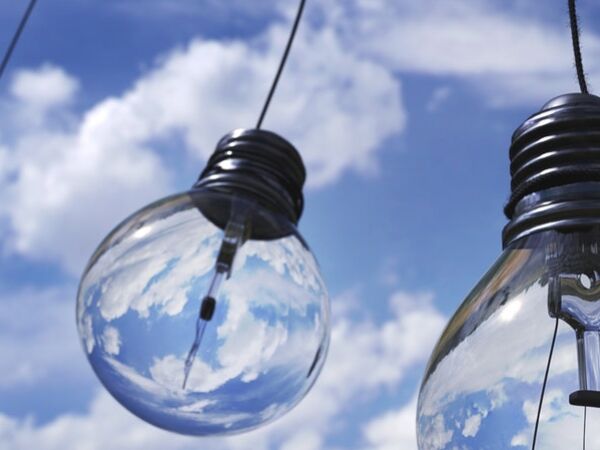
(258, 166)
(555, 168)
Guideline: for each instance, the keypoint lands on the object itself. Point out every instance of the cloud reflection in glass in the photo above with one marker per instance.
(482, 385)
(138, 304)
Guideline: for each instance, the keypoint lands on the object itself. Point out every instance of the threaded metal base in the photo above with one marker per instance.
(555, 168)
(557, 146)
(258, 166)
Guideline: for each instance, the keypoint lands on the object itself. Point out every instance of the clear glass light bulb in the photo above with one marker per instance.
(201, 330)
(484, 379)
(518, 365)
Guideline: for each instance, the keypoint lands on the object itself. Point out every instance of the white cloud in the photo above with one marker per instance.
(527, 359)
(513, 52)
(111, 340)
(560, 426)
(86, 330)
(437, 435)
(155, 280)
(388, 350)
(472, 424)
(128, 273)
(473, 370)
(521, 439)
(552, 398)
(69, 184)
(47, 87)
(38, 338)
(393, 430)
(256, 337)
(303, 440)
(355, 346)
(505, 52)
(337, 105)
(107, 426)
(73, 179)
(181, 247)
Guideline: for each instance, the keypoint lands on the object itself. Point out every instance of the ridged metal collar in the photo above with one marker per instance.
(259, 165)
(552, 151)
(573, 207)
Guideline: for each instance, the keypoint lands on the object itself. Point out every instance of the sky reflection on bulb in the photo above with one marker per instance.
(483, 385)
(137, 311)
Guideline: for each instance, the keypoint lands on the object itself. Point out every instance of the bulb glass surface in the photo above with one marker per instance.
(139, 301)
(483, 382)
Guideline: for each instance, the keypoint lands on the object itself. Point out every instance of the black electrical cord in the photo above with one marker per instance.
(577, 47)
(584, 423)
(539, 411)
(17, 35)
(281, 63)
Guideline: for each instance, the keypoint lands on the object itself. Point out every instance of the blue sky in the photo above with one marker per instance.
(403, 112)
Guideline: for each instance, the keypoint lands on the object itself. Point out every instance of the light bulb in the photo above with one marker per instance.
(205, 313)
(485, 378)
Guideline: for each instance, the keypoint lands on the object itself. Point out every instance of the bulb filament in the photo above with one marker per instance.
(236, 234)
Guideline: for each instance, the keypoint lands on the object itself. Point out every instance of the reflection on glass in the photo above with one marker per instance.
(483, 382)
(252, 360)
(236, 232)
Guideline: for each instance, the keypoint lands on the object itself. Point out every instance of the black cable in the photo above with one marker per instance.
(537, 420)
(17, 35)
(584, 421)
(282, 63)
(577, 47)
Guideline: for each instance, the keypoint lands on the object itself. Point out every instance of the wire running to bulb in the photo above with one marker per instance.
(577, 47)
(286, 53)
(16, 36)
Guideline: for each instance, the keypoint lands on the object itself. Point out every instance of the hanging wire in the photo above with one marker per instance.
(17, 35)
(577, 47)
(281, 63)
(539, 411)
(584, 423)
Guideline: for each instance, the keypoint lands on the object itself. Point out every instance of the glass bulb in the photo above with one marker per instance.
(518, 365)
(201, 330)
(483, 383)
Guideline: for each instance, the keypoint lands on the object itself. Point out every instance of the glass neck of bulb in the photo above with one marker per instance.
(574, 298)
(588, 358)
(572, 271)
